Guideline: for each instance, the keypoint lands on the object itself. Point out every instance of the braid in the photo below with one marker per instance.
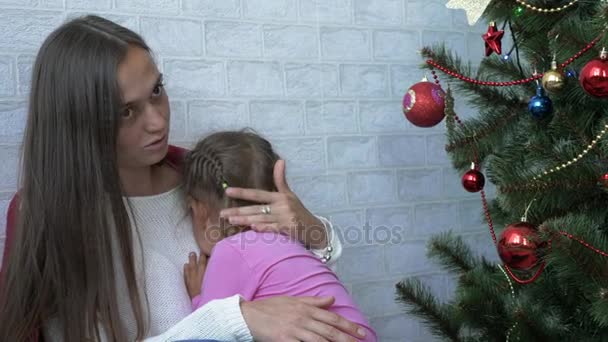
(242, 159)
(213, 164)
(204, 169)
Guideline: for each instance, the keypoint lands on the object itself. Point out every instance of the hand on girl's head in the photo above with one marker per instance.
(279, 211)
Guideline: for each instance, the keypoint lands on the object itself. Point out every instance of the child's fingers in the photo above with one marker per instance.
(189, 268)
(192, 259)
(250, 219)
(266, 227)
(202, 260)
(187, 271)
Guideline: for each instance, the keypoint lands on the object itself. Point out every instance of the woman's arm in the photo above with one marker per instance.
(273, 319)
(219, 319)
(333, 251)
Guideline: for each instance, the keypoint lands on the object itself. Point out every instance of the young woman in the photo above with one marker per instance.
(93, 247)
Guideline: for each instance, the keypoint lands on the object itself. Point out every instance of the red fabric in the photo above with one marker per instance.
(11, 217)
(175, 156)
(11, 222)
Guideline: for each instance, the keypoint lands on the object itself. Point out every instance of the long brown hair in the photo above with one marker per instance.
(73, 225)
(238, 158)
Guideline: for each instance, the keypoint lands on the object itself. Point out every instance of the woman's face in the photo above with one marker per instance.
(144, 128)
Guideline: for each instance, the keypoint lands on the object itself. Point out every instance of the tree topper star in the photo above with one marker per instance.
(473, 8)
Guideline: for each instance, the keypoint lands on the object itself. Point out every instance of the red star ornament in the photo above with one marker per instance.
(492, 39)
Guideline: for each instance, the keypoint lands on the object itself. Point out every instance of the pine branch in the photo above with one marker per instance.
(571, 257)
(481, 295)
(497, 69)
(421, 302)
(538, 320)
(482, 135)
(599, 309)
(479, 96)
(450, 115)
(477, 137)
(486, 128)
(453, 254)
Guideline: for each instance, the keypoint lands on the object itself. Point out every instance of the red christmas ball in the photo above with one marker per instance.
(594, 77)
(604, 180)
(424, 104)
(518, 246)
(473, 180)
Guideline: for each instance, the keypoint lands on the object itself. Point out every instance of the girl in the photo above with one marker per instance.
(255, 265)
(93, 242)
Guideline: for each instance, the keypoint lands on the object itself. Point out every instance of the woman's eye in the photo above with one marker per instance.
(127, 113)
(158, 90)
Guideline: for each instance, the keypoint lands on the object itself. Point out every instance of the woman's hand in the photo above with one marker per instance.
(291, 319)
(280, 212)
(194, 273)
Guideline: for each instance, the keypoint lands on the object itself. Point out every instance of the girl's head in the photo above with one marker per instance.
(96, 105)
(232, 158)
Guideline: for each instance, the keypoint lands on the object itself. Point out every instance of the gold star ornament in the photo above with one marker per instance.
(473, 8)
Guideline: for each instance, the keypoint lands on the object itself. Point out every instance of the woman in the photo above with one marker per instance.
(96, 184)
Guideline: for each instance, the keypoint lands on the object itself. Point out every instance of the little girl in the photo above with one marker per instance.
(241, 261)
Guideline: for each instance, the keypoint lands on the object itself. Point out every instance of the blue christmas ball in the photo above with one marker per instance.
(540, 105)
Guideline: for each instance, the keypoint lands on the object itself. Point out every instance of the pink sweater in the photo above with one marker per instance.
(261, 265)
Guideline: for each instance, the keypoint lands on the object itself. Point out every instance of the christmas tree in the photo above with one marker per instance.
(541, 138)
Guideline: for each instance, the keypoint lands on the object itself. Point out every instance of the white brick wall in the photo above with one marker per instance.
(323, 79)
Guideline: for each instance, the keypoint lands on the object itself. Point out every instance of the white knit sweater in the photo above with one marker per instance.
(165, 230)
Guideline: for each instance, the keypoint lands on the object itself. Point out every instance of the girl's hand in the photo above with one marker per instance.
(194, 273)
(291, 319)
(280, 212)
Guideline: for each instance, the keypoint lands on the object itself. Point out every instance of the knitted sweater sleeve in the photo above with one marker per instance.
(220, 319)
(334, 242)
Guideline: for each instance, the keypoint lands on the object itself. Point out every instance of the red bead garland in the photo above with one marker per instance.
(516, 82)
(489, 217)
(486, 212)
(435, 77)
(531, 186)
(526, 281)
(584, 243)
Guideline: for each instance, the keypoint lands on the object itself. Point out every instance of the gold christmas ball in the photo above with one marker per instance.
(553, 81)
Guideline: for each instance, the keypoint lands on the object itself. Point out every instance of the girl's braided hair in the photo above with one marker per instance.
(237, 158)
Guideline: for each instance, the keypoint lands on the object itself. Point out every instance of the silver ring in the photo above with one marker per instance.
(266, 209)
